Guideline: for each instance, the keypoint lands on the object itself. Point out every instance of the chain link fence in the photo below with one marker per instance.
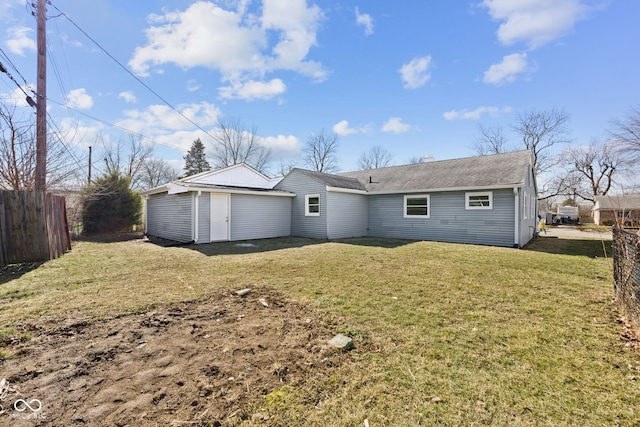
(626, 273)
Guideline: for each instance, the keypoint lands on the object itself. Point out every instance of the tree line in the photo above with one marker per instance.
(566, 169)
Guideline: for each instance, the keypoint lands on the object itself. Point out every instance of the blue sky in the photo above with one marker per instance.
(414, 76)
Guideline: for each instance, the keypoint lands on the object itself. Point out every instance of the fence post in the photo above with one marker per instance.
(3, 232)
(626, 274)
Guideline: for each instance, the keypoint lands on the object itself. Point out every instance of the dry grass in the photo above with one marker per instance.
(447, 334)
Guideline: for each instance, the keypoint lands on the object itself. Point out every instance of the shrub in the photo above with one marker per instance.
(110, 206)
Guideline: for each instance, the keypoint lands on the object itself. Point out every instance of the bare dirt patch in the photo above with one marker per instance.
(197, 363)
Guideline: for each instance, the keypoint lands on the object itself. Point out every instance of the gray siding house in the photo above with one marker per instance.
(326, 206)
(487, 200)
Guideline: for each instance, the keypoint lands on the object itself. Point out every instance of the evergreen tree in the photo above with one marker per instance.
(195, 161)
(110, 206)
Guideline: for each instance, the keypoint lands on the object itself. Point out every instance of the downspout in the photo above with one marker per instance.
(145, 200)
(196, 216)
(516, 233)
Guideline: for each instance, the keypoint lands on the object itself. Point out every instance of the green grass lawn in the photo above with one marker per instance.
(446, 334)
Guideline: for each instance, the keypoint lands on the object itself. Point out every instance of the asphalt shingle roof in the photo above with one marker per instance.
(506, 169)
(338, 181)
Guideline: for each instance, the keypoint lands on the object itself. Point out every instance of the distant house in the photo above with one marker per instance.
(489, 200)
(617, 209)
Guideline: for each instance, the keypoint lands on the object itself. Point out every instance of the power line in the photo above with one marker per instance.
(4, 70)
(10, 62)
(132, 74)
(153, 141)
(58, 133)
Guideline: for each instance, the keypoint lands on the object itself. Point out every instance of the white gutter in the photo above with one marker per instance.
(177, 189)
(145, 201)
(196, 210)
(345, 190)
(155, 190)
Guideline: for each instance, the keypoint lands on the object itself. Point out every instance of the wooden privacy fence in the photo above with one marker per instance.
(626, 273)
(33, 227)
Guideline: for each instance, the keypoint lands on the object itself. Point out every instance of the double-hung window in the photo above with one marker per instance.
(416, 206)
(480, 200)
(312, 205)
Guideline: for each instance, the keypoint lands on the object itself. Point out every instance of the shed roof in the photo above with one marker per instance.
(508, 169)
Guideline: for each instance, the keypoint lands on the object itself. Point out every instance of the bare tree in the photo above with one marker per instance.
(565, 183)
(491, 141)
(416, 159)
(129, 165)
(234, 143)
(596, 166)
(376, 157)
(541, 130)
(627, 133)
(424, 159)
(285, 167)
(320, 152)
(18, 153)
(156, 172)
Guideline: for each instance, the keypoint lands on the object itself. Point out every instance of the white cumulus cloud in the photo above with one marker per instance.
(506, 71)
(475, 114)
(193, 86)
(80, 134)
(365, 20)
(78, 98)
(19, 40)
(281, 143)
(535, 22)
(342, 128)
(160, 119)
(253, 89)
(128, 96)
(415, 73)
(242, 45)
(395, 125)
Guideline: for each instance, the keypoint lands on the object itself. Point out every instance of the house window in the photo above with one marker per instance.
(312, 205)
(479, 200)
(416, 206)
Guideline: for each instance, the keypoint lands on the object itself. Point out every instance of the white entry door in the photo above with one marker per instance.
(219, 217)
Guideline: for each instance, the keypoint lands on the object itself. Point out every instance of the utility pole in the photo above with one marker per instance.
(89, 180)
(41, 103)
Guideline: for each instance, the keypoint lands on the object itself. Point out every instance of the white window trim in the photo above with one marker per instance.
(478, 193)
(417, 196)
(306, 205)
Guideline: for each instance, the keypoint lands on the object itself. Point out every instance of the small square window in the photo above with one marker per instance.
(479, 200)
(312, 205)
(416, 206)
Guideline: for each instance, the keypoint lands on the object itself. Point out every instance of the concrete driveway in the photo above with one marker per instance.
(573, 232)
